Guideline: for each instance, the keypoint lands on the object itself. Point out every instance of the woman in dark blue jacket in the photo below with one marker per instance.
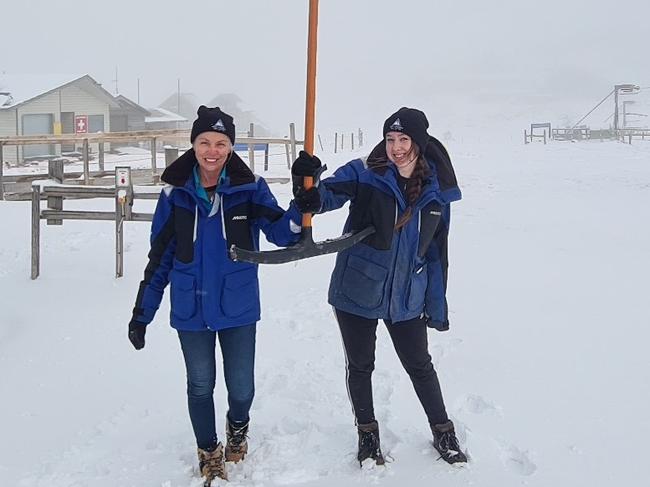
(398, 274)
(212, 201)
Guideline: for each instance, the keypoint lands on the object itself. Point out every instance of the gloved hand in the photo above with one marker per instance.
(305, 165)
(136, 334)
(308, 200)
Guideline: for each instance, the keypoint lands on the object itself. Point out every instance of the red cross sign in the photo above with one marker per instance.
(81, 124)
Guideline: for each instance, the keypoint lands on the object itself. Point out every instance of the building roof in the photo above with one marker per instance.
(16, 89)
(128, 104)
(163, 115)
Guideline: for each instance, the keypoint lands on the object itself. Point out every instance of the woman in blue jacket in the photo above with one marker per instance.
(212, 201)
(398, 274)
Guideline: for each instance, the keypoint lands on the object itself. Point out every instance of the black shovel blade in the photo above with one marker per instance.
(302, 250)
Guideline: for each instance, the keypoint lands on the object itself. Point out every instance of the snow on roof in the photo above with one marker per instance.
(163, 115)
(18, 88)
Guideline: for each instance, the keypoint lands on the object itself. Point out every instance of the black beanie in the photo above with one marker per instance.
(213, 120)
(411, 122)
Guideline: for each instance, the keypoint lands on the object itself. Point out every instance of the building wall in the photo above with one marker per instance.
(68, 99)
(7, 129)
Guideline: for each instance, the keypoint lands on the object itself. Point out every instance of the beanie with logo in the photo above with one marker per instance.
(213, 120)
(411, 122)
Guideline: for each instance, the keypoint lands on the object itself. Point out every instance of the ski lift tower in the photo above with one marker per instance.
(626, 89)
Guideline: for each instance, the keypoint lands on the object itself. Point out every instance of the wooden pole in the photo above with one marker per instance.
(86, 155)
(2, 168)
(310, 105)
(36, 230)
(101, 156)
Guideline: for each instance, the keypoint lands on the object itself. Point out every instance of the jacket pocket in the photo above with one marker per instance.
(183, 294)
(417, 288)
(239, 293)
(363, 282)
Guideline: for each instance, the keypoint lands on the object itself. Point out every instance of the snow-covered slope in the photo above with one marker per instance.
(544, 370)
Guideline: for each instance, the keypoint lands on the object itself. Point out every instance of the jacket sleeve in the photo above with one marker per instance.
(280, 227)
(161, 255)
(436, 256)
(340, 187)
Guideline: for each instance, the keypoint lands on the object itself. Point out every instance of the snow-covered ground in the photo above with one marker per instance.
(544, 371)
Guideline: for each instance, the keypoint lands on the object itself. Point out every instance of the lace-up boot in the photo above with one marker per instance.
(212, 465)
(369, 443)
(446, 443)
(236, 444)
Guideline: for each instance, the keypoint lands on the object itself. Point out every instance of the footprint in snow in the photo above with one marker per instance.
(478, 405)
(516, 460)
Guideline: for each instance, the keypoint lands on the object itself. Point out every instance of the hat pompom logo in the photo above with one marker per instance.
(219, 126)
(397, 125)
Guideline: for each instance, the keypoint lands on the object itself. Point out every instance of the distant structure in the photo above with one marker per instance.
(60, 104)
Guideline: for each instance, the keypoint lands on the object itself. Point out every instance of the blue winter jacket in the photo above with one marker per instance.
(393, 275)
(190, 241)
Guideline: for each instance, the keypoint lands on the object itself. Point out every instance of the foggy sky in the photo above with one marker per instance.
(373, 55)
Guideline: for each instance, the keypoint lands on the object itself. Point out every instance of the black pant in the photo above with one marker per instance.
(411, 344)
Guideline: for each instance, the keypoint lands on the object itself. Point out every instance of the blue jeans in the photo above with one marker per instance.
(238, 352)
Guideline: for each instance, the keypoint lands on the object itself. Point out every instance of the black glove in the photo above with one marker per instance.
(308, 200)
(136, 334)
(305, 165)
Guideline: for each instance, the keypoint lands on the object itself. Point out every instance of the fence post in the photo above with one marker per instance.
(544, 137)
(360, 137)
(266, 157)
(251, 148)
(286, 149)
(320, 142)
(55, 172)
(342, 139)
(629, 139)
(525, 137)
(336, 141)
(154, 169)
(36, 230)
(2, 169)
(101, 156)
(292, 138)
(119, 237)
(86, 155)
(352, 140)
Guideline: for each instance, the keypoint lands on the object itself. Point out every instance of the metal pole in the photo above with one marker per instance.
(36, 230)
(119, 238)
(616, 108)
(292, 141)
(251, 148)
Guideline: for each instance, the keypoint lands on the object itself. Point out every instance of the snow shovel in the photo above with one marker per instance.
(306, 247)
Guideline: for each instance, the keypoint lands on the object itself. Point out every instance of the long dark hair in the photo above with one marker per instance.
(414, 185)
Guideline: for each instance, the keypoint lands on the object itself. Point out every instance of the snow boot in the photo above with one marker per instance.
(212, 465)
(236, 445)
(446, 443)
(369, 443)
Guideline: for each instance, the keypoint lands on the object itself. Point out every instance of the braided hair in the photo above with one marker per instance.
(421, 171)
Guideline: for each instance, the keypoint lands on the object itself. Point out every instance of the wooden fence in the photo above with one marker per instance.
(153, 136)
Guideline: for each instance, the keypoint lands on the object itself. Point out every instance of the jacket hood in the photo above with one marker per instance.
(437, 156)
(180, 170)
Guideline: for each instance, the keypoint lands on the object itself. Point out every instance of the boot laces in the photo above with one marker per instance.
(449, 444)
(237, 436)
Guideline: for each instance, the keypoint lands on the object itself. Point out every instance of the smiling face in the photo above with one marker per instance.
(212, 151)
(401, 151)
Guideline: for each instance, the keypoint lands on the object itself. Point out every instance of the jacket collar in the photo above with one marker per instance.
(180, 171)
(439, 162)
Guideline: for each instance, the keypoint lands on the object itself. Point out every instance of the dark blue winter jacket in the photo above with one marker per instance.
(190, 241)
(393, 275)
